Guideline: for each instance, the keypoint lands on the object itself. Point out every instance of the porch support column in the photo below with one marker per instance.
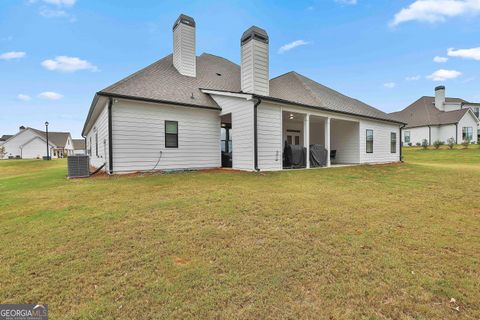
(306, 138)
(327, 140)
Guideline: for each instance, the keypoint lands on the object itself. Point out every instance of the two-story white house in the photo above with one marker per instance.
(187, 111)
(439, 118)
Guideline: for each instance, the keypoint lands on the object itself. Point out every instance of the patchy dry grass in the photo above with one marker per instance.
(369, 242)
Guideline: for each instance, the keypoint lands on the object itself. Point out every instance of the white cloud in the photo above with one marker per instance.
(436, 10)
(413, 78)
(65, 3)
(12, 55)
(49, 95)
(442, 75)
(24, 97)
(349, 2)
(473, 53)
(291, 45)
(438, 59)
(390, 85)
(68, 64)
(49, 13)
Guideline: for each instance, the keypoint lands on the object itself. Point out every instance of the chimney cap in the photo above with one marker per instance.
(439, 88)
(189, 21)
(256, 33)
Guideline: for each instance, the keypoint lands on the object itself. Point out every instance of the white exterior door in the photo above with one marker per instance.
(293, 138)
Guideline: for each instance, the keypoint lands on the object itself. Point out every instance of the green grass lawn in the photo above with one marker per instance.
(370, 242)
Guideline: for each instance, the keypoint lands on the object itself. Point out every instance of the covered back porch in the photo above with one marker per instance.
(314, 140)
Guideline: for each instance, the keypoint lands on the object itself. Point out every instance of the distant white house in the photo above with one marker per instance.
(187, 111)
(30, 143)
(439, 118)
(79, 146)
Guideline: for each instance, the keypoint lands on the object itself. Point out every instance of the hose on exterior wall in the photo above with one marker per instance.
(156, 164)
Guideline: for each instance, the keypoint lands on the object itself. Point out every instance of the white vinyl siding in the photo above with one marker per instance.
(416, 135)
(467, 121)
(381, 142)
(35, 148)
(139, 137)
(20, 145)
(269, 128)
(100, 128)
(184, 58)
(344, 138)
(254, 71)
(242, 130)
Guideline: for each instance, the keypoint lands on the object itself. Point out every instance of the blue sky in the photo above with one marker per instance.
(55, 54)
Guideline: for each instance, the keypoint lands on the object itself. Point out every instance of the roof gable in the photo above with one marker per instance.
(424, 113)
(59, 139)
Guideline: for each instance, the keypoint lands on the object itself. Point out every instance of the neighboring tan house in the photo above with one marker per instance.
(79, 146)
(185, 111)
(30, 143)
(439, 118)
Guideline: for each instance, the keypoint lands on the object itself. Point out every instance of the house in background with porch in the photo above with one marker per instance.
(186, 111)
(79, 146)
(30, 143)
(439, 118)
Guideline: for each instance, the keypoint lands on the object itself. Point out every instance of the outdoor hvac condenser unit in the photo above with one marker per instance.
(78, 166)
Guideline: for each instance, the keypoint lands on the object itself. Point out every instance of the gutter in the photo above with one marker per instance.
(456, 133)
(110, 138)
(324, 109)
(401, 143)
(255, 133)
(126, 97)
(429, 135)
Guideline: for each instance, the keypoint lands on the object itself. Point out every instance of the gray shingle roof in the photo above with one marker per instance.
(78, 144)
(57, 138)
(162, 82)
(423, 113)
(297, 88)
(5, 137)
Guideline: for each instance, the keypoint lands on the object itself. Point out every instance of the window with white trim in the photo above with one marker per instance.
(406, 136)
(171, 134)
(369, 141)
(393, 142)
(467, 133)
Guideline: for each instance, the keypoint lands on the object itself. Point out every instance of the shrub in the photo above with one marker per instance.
(410, 144)
(418, 144)
(451, 143)
(465, 143)
(438, 143)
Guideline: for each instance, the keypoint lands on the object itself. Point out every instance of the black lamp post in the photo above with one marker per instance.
(46, 131)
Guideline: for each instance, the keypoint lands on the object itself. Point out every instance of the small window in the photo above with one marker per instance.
(171, 134)
(393, 142)
(467, 133)
(96, 143)
(407, 136)
(369, 141)
(90, 147)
